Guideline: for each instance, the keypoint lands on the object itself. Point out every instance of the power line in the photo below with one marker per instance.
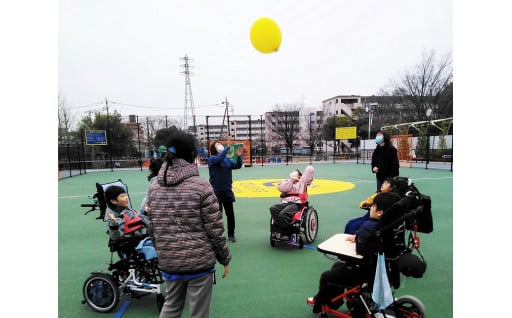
(161, 107)
(87, 105)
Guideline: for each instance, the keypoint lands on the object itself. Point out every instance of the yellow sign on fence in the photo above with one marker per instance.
(346, 132)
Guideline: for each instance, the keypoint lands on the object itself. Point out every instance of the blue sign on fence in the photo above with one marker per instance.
(96, 137)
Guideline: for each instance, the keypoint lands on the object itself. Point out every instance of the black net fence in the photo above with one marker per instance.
(77, 159)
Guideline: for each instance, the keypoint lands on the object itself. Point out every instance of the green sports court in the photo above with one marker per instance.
(263, 281)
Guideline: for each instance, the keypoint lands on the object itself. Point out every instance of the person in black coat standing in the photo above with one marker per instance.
(384, 159)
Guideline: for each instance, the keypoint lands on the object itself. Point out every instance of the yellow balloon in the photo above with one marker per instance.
(265, 35)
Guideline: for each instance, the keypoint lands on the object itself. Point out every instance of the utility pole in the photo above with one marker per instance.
(138, 138)
(224, 118)
(189, 100)
(108, 137)
(261, 138)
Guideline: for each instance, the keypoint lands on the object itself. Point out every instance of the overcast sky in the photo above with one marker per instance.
(129, 51)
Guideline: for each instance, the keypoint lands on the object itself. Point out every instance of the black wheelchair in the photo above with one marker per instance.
(303, 226)
(410, 215)
(136, 273)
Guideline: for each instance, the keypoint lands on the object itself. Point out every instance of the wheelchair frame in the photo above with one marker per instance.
(132, 275)
(360, 304)
(304, 225)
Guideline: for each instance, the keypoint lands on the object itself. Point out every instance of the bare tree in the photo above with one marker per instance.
(424, 87)
(313, 135)
(152, 124)
(286, 123)
(65, 121)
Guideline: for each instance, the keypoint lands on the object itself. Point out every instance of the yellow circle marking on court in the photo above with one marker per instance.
(267, 188)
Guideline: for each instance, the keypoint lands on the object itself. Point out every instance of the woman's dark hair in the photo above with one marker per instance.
(213, 150)
(180, 145)
(387, 138)
(154, 166)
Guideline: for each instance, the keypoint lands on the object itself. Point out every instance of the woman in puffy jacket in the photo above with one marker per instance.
(186, 226)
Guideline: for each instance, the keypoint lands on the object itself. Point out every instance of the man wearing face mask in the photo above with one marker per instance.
(384, 159)
(221, 180)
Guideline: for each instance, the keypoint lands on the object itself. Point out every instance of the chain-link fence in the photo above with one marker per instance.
(75, 159)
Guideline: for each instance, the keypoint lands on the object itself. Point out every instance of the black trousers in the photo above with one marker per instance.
(282, 214)
(334, 281)
(226, 200)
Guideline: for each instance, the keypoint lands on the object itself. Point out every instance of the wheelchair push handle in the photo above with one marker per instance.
(89, 205)
(93, 206)
(406, 216)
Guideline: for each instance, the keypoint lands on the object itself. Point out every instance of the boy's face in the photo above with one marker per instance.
(122, 200)
(375, 213)
(385, 187)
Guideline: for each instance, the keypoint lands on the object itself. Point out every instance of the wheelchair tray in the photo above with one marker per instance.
(338, 245)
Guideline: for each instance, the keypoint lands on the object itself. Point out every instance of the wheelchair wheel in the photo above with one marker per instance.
(310, 225)
(408, 307)
(101, 292)
(272, 241)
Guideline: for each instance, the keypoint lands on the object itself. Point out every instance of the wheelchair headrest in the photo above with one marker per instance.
(393, 212)
(402, 185)
(411, 265)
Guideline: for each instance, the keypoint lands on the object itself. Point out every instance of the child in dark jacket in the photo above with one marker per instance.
(122, 221)
(342, 275)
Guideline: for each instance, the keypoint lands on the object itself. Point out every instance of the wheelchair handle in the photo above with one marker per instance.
(89, 205)
(410, 214)
(93, 206)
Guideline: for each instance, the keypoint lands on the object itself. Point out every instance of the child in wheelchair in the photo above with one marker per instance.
(292, 193)
(380, 240)
(126, 226)
(137, 272)
(121, 219)
(344, 274)
(352, 225)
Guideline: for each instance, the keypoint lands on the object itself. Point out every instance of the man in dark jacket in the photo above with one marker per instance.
(384, 159)
(186, 226)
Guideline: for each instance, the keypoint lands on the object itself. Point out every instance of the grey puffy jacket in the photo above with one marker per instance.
(185, 221)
